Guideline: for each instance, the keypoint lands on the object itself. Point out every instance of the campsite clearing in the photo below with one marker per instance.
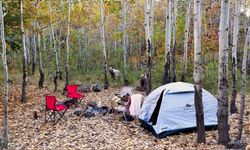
(100, 132)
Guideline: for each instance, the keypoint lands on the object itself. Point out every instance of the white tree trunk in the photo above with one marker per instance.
(25, 67)
(152, 24)
(222, 114)
(54, 47)
(197, 73)
(148, 24)
(168, 42)
(185, 55)
(27, 40)
(5, 83)
(67, 47)
(233, 108)
(79, 62)
(106, 84)
(34, 49)
(124, 43)
(173, 53)
(243, 92)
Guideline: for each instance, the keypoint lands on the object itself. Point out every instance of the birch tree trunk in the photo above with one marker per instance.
(106, 83)
(34, 49)
(197, 73)
(148, 24)
(27, 41)
(41, 80)
(222, 113)
(54, 48)
(25, 67)
(79, 61)
(243, 92)
(173, 61)
(5, 83)
(233, 108)
(152, 26)
(67, 48)
(166, 77)
(124, 46)
(185, 55)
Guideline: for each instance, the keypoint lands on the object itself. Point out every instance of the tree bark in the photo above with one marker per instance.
(79, 59)
(34, 49)
(233, 108)
(124, 43)
(106, 83)
(41, 80)
(5, 83)
(243, 92)
(27, 41)
(148, 28)
(197, 73)
(173, 61)
(185, 55)
(54, 49)
(25, 67)
(222, 113)
(67, 49)
(166, 77)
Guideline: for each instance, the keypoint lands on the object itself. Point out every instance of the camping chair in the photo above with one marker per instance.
(75, 95)
(53, 109)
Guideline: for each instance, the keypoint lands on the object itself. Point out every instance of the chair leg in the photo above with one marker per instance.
(61, 116)
(49, 116)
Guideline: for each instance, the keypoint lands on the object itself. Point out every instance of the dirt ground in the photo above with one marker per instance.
(100, 132)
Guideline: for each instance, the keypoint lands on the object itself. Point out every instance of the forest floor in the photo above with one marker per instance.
(99, 132)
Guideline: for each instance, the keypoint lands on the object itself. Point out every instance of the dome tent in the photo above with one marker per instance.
(170, 109)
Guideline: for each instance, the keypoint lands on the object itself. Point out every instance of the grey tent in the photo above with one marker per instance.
(170, 109)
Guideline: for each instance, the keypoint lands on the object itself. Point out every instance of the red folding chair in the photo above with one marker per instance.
(75, 95)
(54, 109)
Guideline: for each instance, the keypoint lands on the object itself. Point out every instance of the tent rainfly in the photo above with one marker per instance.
(170, 109)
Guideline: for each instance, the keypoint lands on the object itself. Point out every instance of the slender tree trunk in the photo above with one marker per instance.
(185, 55)
(152, 25)
(28, 46)
(41, 80)
(79, 61)
(243, 92)
(124, 47)
(5, 83)
(34, 49)
(106, 83)
(173, 61)
(139, 53)
(197, 73)
(148, 24)
(166, 78)
(25, 68)
(59, 53)
(222, 113)
(233, 108)
(67, 49)
(54, 48)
